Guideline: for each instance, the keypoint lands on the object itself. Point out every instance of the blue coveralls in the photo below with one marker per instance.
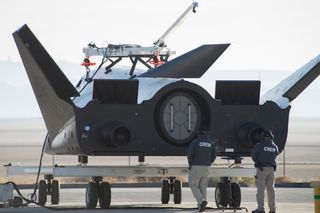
(201, 154)
(264, 156)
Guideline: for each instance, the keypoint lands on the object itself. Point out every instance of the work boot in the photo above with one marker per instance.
(257, 211)
(272, 211)
(203, 206)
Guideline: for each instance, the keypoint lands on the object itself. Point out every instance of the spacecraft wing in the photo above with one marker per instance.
(192, 64)
(287, 90)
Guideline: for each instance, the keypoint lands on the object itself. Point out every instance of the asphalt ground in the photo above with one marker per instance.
(289, 200)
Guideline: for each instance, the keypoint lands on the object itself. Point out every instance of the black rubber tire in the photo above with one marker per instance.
(165, 192)
(92, 195)
(177, 192)
(55, 192)
(42, 192)
(222, 194)
(17, 202)
(104, 195)
(235, 195)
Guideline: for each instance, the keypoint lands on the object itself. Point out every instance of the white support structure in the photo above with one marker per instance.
(27, 170)
(170, 175)
(127, 51)
(120, 171)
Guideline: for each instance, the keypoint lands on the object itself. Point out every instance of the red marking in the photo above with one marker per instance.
(86, 62)
(156, 61)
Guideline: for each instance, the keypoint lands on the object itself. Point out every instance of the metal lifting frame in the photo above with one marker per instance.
(136, 52)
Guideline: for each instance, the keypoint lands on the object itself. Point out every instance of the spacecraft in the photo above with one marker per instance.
(128, 111)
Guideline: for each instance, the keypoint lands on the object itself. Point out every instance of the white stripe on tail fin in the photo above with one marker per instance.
(288, 89)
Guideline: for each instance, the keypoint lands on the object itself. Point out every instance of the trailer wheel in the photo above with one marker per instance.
(177, 192)
(17, 201)
(55, 192)
(92, 195)
(235, 195)
(222, 194)
(42, 192)
(104, 195)
(165, 192)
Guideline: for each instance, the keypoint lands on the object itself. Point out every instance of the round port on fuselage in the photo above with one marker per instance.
(114, 134)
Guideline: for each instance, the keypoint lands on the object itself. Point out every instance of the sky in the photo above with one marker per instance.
(264, 34)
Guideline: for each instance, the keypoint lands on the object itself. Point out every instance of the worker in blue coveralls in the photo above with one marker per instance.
(264, 156)
(201, 155)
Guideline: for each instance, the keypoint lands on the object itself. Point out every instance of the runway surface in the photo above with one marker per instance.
(289, 200)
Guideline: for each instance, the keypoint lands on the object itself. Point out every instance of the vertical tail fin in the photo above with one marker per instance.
(291, 87)
(50, 86)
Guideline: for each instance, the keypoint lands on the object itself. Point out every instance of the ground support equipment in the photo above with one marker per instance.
(226, 193)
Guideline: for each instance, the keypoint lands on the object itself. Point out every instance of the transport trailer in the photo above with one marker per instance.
(227, 193)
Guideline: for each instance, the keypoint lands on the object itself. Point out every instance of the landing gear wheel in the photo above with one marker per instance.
(104, 195)
(42, 192)
(222, 195)
(235, 195)
(165, 192)
(177, 192)
(55, 192)
(92, 195)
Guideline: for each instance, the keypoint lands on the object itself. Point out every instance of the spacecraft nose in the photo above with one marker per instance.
(115, 134)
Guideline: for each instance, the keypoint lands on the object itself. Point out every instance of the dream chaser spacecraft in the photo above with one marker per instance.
(121, 111)
(126, 111)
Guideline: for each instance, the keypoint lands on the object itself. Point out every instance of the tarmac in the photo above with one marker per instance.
(289, 200)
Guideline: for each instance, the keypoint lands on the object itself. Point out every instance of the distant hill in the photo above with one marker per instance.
(17, 98)
(13, 73)
(16, 95)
